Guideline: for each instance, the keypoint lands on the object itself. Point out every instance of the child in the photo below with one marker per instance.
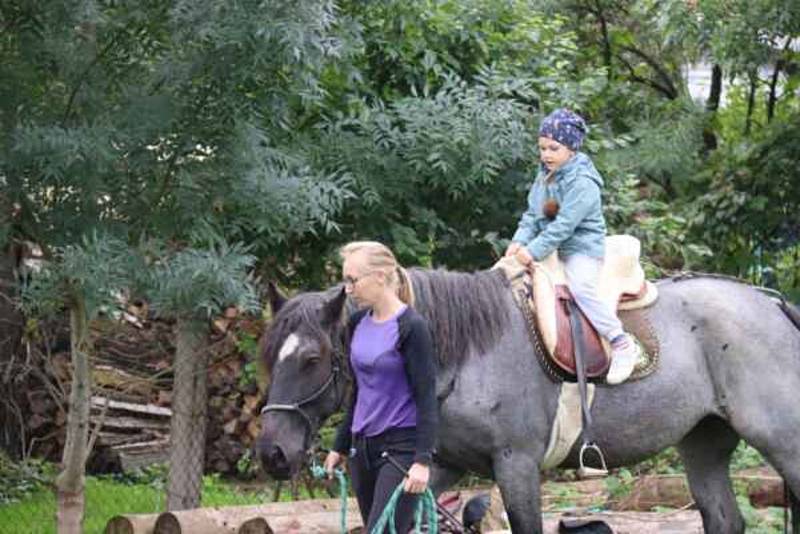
(565, 214)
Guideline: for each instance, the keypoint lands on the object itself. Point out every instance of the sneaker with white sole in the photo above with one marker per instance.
(624, 354)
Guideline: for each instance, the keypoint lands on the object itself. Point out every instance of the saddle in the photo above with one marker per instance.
(544, 291)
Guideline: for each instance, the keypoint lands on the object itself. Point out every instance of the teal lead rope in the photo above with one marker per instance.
(426, 505)
(319, 472)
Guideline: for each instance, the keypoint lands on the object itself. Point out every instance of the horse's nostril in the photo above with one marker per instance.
(273, 458)
(276, 455)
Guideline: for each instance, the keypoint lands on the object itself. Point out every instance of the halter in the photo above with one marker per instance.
(320, 391)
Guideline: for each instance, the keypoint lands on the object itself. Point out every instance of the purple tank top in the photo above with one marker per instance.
(384, 396)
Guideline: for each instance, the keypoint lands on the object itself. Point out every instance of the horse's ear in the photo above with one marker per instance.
(331, 312)
(276, 298)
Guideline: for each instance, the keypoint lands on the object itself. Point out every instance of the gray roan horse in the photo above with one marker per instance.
(729, 371)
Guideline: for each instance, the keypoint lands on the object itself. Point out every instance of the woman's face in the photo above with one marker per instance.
(364, 285)
(553, 154)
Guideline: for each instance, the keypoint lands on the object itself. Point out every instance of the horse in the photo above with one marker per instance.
(729, 370)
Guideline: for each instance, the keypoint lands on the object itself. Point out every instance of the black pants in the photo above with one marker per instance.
(375, 479)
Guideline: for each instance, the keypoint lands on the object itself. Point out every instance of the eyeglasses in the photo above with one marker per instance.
(351, 281)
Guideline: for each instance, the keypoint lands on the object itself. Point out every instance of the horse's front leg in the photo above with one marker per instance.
(517, 474)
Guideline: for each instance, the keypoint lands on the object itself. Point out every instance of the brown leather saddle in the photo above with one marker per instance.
(544, 292)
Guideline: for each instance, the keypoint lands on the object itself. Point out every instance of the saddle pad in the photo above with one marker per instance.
(636, 323)
(567, 424)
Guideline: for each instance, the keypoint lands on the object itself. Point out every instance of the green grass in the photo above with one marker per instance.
(107, 497)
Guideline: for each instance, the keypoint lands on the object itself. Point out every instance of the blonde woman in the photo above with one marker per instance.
(393, 406)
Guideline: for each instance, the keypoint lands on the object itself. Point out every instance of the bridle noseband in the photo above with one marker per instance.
(296, 407)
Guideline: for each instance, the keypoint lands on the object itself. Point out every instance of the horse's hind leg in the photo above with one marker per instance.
(776, 435)
(784, 455)
(706, 453)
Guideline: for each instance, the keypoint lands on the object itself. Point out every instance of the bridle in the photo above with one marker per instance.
(297, 407)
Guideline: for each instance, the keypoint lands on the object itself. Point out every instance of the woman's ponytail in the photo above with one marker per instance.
(405, 289)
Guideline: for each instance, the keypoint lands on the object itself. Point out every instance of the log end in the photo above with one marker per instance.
(119, 525)
(167, 523)
(256, 525)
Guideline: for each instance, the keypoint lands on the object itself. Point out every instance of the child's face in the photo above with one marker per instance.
(552, 153)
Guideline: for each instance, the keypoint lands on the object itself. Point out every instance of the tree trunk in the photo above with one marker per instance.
(712, 105)
(70, 482)
(189, 407)
(715, 93)
(607, 57)
(11, 323)
(751, 102)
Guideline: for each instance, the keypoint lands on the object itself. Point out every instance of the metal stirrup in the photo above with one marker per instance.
(591, 472)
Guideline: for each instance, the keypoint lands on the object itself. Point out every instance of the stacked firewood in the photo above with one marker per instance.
(131, 403)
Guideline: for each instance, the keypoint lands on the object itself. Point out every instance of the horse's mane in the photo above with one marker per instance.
(466, 311)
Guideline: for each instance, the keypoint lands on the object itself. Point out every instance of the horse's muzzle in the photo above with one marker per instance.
(274, 461)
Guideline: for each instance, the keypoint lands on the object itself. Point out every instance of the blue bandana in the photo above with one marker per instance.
(564, 126)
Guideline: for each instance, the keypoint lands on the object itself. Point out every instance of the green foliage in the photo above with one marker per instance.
(248, 344)
(202, 283)
(93, 270)
(760, 521)
(751, 193)
(20, 480)
(746, 457)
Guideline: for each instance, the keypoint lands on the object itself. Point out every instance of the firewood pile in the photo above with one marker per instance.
(132, 384)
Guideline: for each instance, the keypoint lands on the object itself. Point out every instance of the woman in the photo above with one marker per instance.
(393, 407)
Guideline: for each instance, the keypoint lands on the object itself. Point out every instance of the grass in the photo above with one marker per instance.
(107, 497)
(27, 502)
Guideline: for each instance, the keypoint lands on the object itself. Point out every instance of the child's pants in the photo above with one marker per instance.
(583, 273)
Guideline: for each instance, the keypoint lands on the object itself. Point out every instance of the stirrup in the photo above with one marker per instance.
(591, 472)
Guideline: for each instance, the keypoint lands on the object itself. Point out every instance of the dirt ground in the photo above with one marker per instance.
(678, 522)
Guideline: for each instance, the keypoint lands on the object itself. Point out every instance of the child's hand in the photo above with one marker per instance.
(512, 249)
(523, 256)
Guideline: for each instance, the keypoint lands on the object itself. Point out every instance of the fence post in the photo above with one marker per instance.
(189, 408)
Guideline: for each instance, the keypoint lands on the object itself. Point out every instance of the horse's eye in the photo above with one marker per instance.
(313, 359)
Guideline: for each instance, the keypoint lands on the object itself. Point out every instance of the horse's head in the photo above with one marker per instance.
(304, 353)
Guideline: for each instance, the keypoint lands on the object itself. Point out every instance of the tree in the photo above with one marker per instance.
(143, 130)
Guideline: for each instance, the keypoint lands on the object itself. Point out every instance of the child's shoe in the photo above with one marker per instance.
(624, 354)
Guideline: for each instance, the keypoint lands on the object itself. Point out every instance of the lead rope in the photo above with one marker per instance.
(319, 472)
(425, 505)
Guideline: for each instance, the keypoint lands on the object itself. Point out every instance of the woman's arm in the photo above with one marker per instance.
(420, 366)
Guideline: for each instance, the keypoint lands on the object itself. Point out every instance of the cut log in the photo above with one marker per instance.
(131, 423)
(148, 409)
(304, 507)
(318, 523)
(210, 521)
(112, 377)
(651, 491)
(113, 439)
(131, 524)
(134, 456)
(766, 493)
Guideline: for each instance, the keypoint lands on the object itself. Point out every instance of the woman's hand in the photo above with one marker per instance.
(512, 249)
(417, 479)
(332, 460)
(524, 257)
